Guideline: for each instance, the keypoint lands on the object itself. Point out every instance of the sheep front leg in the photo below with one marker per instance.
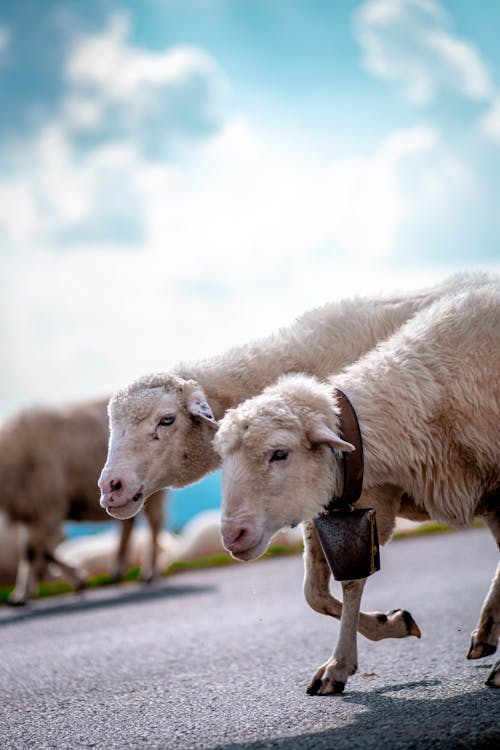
(154, 510)
(375, 626)
(118, 569)
(332, 676)
(25, 586)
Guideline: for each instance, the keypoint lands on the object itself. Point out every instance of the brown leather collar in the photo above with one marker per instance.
(352, 462)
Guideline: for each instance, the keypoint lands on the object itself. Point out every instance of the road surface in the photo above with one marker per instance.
(220, 658)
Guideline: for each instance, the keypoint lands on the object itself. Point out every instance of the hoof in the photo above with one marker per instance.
(493, 679)
(330, 678)
(333, 688)
(317, 687)
(15, 602)
(327, 688)
(149, 578)
(313, 687)
(479, 649)
(411, 625)
(399, 623)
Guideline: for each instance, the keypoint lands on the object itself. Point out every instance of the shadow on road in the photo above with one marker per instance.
(392, 720)
(116, 596)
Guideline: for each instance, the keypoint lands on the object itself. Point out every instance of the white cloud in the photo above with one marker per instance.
(54, 190)
(490, 122)
(368, 200)
(146, 95)
(106, 63)
(131, 105)
(463, 66)
(408, 42)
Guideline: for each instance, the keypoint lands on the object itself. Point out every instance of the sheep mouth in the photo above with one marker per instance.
(252, 552)
(129, 510)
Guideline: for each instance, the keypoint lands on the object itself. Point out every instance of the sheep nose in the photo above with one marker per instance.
(111, 490)
(233, 534)
(111, 486)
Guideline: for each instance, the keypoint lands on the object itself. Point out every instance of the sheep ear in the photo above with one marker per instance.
(198, 407)
(320, 434)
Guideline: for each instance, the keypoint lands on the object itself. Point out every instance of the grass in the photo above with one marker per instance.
(430, 527)
(57, 588)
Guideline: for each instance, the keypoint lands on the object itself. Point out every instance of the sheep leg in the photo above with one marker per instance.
(25, 586)
(74, 576)
(35, 553)
(484, 637)
(493, 679)
(375, 626)
(155, 514)
(332, 675)
(121, 553)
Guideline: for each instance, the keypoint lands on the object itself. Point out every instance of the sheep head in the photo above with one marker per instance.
(161, 431)
(278, 466)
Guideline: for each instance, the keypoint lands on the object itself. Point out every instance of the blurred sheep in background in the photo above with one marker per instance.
(50, 459)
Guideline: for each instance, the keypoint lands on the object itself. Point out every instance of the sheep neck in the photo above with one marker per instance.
(388, 452)
(352, 463)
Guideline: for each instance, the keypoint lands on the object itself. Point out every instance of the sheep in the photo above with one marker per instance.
(162, 425)
(428, 406)
(49, 465)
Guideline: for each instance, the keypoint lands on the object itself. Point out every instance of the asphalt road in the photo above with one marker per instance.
(220, 658)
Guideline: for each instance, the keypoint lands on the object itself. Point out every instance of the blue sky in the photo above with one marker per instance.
(178, 176)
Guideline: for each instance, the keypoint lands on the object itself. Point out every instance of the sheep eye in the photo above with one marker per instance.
(279, 455)
(166, 421)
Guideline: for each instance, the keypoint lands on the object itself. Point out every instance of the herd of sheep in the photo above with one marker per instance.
(421, 372)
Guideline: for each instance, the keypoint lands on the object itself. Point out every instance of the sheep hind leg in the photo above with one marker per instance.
(484, 637)
(74, 576)
(375, 626)
(332, 676)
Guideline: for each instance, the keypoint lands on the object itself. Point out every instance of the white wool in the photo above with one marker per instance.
(428, 405)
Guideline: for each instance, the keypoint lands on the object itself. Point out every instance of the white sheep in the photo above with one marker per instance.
(162, 437)
(428, 405)
(50, 460)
